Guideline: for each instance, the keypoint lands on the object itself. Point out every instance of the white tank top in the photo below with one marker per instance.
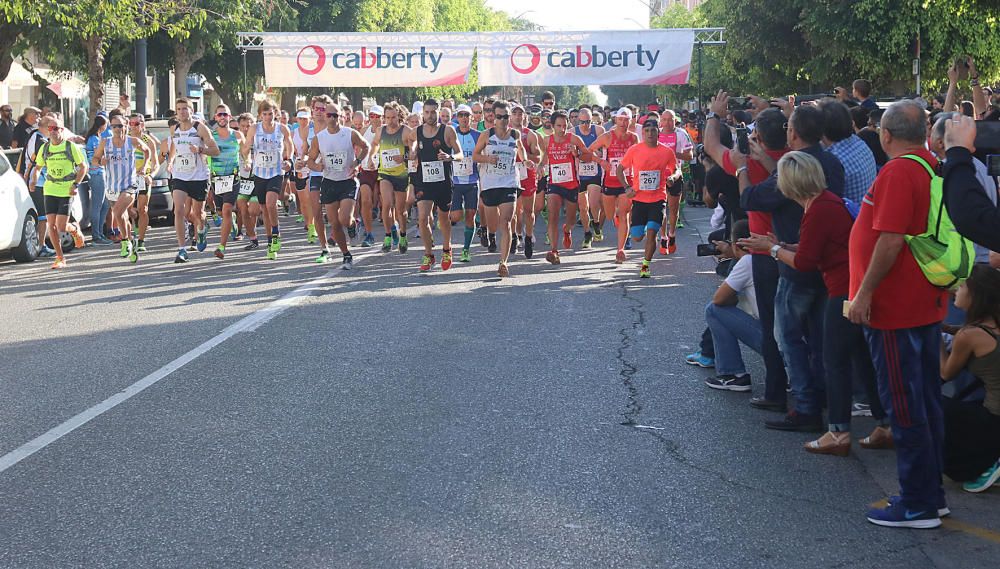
(187, 165)
(372, 159)
(267, 149)
(336, 153)
(301, 148)
(503, 174)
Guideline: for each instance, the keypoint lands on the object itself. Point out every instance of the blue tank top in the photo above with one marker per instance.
(468, 142)
(588, 140)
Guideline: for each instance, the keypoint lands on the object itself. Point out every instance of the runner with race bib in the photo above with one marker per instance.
(561, 153)
(225, 166)
(190, 143)
(614, 204)
(437, 149)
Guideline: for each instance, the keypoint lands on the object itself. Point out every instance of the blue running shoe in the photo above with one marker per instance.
(697, 359)
(181, 257)
(395, 236)
(202, 241)
(895, 515)
(943, 509)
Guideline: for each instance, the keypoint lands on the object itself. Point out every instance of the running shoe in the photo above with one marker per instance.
(404, 245)
(237, 235)
(47, 252)
(368, 241)
(426, 262)
(465, 257)
(124, 249)
(663, 246)
(182, 256)
(729, 382)
(896, 515)
(387, 244)
(492, 248)
(680, 223)
(202, 239)
(324, 257)
(217, 220)
(943, 510)
(395, 236)
(446, 260)
(300, 218)
(700, 360)
(986, 480)
(220, 253)
(141, 246)
(78, 240)
(311, 234)
(620, 257)
(588, 239)
(133, 254)
(671, 244)
(503, 271)
(547, 240)
(598, 233)
(552, 257)
(484, 239)
(529, 247)
(513, 244)
(272, 255)
(628, 243)
(348, 262)
(253, 244)
(645, 272)
(276, 241)
(861, 410)
(58, 264)
(352, 230)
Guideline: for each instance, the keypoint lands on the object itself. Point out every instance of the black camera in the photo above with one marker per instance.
(739, 103)
(743, 139)
(708, 250)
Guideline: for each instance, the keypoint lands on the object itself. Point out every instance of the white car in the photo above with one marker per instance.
(18, 218)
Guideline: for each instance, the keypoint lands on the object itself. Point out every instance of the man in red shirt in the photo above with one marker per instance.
(902, 313)
(654, 168)
(770, 133)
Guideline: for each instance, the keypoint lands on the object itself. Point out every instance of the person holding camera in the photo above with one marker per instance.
(823, 239)
(971, 210)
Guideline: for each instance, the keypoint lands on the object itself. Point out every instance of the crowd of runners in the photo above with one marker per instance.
(491, 167)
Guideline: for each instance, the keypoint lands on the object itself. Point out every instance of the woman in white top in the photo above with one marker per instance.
(117, 156)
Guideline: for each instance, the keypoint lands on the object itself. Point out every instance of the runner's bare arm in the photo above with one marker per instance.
(245, 144)
(360, 142)
(477, 154)
(451, 139)
(211, 148)
(585, 154)
(98, 158)
(312, 161)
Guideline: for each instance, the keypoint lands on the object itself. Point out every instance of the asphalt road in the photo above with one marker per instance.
(296, 415)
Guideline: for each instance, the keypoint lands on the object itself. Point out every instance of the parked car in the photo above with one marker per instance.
(161, 201)
(18, 218)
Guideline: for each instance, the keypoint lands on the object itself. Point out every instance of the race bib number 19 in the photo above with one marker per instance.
(184, 164)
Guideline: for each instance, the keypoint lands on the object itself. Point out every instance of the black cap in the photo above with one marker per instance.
(651, 123)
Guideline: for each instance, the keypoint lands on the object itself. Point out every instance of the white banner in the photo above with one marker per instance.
(367, 60)
(646, 57)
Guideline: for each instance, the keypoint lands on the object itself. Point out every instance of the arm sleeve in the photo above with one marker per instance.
(971, 210)
(764, 196)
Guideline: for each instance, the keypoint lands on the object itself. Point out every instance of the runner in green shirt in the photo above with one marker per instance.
(65, 166)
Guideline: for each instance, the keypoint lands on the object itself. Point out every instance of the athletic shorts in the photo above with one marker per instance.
(261, 186)
(496, 196)
(300, 183)
(333, 191)
(439, 193)
(543, 184)
(570, 195)
(677, 189)
(465, 197)
(399, 183)
(646, 217)
(55, 205)
(595, 181)
(240, 184)
(142, 187)
(613, 192)
(228, 197)
(195, 189)
(368, 178)
(38, 198)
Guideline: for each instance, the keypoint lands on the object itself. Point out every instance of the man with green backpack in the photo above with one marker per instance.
(904, 254)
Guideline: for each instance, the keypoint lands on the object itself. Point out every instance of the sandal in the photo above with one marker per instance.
(881, 438)
(837, 444)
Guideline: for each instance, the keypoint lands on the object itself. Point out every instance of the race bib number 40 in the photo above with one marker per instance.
(560, 173)
(649, 180)
(432, 171)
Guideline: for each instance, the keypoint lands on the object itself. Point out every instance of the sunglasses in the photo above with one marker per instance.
(135, 123)
(118, 126)
(55, 129)
(374, 116)
(460, 115)
(332, 115)
(222, 114)
(477, 112)
(586, 122)
(501, 117)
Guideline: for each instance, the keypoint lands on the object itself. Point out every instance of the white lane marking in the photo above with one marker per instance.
(247, 324)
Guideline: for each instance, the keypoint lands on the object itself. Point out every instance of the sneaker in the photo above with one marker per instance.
(588, 239)
(272, 255)
(59, 263)
(794, 421)
(503, 271)
(697, 359)
(352, 230)
(547, 240)
(78, 240)
(311, 235)
(513, 244)
(133, 255)
(628, 243)
(671, 244)
(300, 218)
(644, 271)
(620, 257)
(519, 240)
(492, 244)
(895, 515)
(348, 262)
(182, 256)
(220, 253)
(403, 244)
(276, 243)
(217, 220)
(101, 240)
(729, 382)
(47, 252)
(768, 405)
(680, 223)
(202, 241)
(465, 257)
(324, 257)
(395, 236)
(552, 257)
(253, 244)
(985, 480)
(861, 410)
(426, 262)
(124, 250)
(943, 510)
(387, 244)
(446, 260)
(484, 239)
(368, 241)
(663, 246)
(529, 247)
(237, 235)
(141, 246)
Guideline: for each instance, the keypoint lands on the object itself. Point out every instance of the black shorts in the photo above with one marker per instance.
(542, 184)
(38, 198)
(677, 189)
(228, 197)
(613, 192)
(55, 205)
(261, 186)
(300, 183)
(333, 191)
(647, 216)
(493, 197)
(195, 189)
(439, 193)
(570, 195)
(399, 183)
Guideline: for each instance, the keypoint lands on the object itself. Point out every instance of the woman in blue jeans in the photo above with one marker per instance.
(99, 205)
(732, 318)
(823, 237)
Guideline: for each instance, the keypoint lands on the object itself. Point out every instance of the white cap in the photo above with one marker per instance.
(418, 107)
(376, 110)
(624, 112)
(303, 115)
(198, 117)
(463, 109)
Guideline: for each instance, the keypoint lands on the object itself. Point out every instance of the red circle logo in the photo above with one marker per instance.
(320, 59)
(519, 53)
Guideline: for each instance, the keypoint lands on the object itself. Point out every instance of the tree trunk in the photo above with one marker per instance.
(94, 45)
(8, 37)
(184, 58)
(228, 95)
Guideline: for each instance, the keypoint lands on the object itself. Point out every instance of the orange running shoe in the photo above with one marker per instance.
(426, 262)
(663, 246)
(446, 260)
(672, 245)
(620, 257)
(78, 240)
(59, 264)
(567, 239)
(552, 257)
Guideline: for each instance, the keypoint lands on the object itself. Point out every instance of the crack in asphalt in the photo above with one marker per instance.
(627, 370)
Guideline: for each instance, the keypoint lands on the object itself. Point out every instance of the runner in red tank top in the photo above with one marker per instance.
(614, 203)
(524, 214)
(561, 153)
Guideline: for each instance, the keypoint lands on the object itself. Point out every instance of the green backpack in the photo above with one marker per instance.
(945, 257)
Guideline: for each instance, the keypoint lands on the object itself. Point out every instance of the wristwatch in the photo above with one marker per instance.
(711, 115)
(774, 250)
